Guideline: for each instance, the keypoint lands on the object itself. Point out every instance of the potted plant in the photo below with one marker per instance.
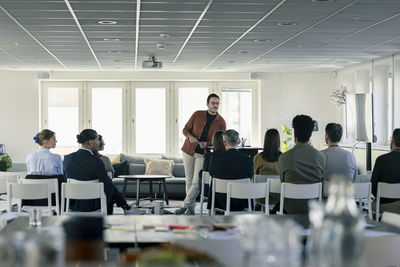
(5, 162)
(286, 143)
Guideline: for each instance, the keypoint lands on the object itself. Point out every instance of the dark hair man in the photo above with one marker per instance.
(198, 131)
(85, 166)
(303, 164)
(338, 160)
(387, 170)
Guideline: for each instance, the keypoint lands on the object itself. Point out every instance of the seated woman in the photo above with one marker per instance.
(266, 162)
(43, 164)
(105, 159)
(218, 144)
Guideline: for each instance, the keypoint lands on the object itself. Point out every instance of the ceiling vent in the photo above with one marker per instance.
(152, 63)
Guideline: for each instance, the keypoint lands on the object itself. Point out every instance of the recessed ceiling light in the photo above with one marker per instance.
(106, 39)
(299, 45)
(160, 46)
(286, 23)
(243, 52)
(164, 35)
(107, 22)
(231, 61)
(260, 40)
(117, 39)
(16, 44)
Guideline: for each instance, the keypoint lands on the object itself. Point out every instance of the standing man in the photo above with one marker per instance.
(198, 131)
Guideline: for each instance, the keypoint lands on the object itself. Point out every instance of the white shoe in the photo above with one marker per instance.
(134, 211)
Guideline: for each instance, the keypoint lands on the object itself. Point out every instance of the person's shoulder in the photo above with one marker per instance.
(258, 156)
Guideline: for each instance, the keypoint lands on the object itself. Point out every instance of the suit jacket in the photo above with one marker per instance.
(303, 164)
(84, 166)
(230, 165)
(386, 170)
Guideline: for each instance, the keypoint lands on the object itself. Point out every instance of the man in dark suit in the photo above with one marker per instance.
(387, 170)
(230, 165)
(83, 165)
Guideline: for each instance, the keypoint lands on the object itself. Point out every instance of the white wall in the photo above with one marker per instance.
(19, 109)
(284, 95)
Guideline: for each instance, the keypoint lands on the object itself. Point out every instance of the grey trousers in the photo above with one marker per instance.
(193, 165)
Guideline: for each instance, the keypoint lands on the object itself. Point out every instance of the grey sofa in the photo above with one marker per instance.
(136, 165)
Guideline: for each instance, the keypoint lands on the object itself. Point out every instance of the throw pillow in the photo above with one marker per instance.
(120, 168)
(159, 166)
(116, 159)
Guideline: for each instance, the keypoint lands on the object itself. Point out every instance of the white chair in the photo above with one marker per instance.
(28, 191)
(274, 186)
(246, 191)
(19, 174)
(52, 184)
(362, 191)
(386, 190)
(206, 179)
(221, 186)
(364, 178)
(81, 191)
(391, 218)
(6, 179)
(261, 178)
(300, 191)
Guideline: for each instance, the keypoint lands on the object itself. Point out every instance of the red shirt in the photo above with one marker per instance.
(195, 127)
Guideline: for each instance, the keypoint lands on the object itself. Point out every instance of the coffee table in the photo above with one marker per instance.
(145, 178)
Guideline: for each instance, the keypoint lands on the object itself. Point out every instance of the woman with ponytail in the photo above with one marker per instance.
(42, 164)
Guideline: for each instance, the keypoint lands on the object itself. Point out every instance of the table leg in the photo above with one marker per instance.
(124, 187)
(165, 191)
(137, 191)
(151, 190)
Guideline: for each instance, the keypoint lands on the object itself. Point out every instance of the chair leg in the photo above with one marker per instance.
(165, 191)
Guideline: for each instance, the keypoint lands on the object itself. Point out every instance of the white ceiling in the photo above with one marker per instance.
(204, 35)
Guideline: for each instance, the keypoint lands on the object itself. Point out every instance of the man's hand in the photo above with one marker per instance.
(203, 144)
(193, 139)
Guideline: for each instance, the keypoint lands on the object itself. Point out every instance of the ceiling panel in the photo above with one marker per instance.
(233, 35)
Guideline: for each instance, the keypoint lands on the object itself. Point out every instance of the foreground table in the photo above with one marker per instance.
(145, 178)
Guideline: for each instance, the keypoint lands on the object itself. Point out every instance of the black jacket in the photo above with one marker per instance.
(230, 165)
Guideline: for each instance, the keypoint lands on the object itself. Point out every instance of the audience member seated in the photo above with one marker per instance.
(105, 159)
(387, 170)
(338, 160)
(43, 164)
(230, 165)
(266, 162)
(303, 164)
(83, 165)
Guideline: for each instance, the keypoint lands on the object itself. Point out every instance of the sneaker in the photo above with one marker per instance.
(134, 211)
(181, 211)
(189, 212)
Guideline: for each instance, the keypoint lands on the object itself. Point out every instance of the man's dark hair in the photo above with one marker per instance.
(396, 137)
(211, 95)
(86, 135)
(303, 126)
(334, 132)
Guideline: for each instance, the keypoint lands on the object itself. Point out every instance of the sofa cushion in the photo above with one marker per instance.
(159, 166)
(120, 168)
(178, 170)
(176, 160)
(136, 169)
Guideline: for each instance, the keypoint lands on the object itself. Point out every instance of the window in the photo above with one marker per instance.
(150, 123)
(107, 117)
(191, 99)
(63, 114)
(237, 111)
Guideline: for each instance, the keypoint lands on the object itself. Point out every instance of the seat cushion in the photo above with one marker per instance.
(159, 166)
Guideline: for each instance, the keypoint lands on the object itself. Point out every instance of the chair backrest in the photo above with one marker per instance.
(206, 177)
(6, 179)
(221, 186)
(75, 181)
(386, 190)
(274, 185)
(81, 191)
(362, 190)
(364, 178)
(27, 191)
(52, 185)
(259, 178)
(19, 174)
(391, 218)
(245, 191)
(300, 191)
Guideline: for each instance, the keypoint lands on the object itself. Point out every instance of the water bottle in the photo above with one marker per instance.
(338, 240)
